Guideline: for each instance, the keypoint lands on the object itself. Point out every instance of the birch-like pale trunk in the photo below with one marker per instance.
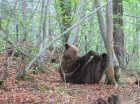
(24, 20)
(45, 31)
(101, 21)
(102, 26)
(110, 46)
(46, 23)
(136, 47)
(39, 34)
(32, 21)
(92, 26)
(0, 16)
(74, 33)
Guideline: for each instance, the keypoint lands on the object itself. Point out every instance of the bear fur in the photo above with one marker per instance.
(85, 69)
(113, 99)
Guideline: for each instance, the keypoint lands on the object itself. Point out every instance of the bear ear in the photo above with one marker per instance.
(67, 46)
(104, 55)
(76, 45)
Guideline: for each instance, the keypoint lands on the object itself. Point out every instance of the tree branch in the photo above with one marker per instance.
(129, 15)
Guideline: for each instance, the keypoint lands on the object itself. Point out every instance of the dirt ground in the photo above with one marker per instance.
(43, 88)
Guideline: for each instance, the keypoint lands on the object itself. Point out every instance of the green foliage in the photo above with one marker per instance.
(74, 3)
(3, 22)
(1, 45)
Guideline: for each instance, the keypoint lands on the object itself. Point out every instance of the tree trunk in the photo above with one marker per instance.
(24, 20)
(0, 18)
(118, 30)
(39, 34)
(46, 23)
(109, 37)
(74, 32)
(45, 31)
(32, 21)
(17, 32)
(101, 20)
(136, 47)
(102, 27)
(66, 17)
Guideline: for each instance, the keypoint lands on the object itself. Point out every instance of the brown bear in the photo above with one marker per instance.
(85, 69)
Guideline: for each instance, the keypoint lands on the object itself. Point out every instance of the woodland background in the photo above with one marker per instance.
(32, 37)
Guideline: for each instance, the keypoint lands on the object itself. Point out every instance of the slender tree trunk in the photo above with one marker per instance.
(17, 32)
(92, 26)
(46, 23)
(32, 21)
(1, 8)
(109, 37)
(136, 46)
(45, 31)
(24, 19)
(74, 32)
(102, 27)
(118, 30)
(66, 17)
(101, 20)
(39, 34)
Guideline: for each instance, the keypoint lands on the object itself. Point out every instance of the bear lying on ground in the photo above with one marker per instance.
(86, 69)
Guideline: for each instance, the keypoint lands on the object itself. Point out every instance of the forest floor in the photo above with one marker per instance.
(42, 88)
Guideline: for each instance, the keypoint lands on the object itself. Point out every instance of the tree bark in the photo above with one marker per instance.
(39, 34)
(66, 17)
(109, 37)
(136, 46)
(46, 23)
(0, 16)
(101, 21)
(24, 19)
(118, 30)
(74, 33)
(45, 29)
(102, 26)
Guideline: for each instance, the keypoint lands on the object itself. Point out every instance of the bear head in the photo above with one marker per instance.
(71, 52)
